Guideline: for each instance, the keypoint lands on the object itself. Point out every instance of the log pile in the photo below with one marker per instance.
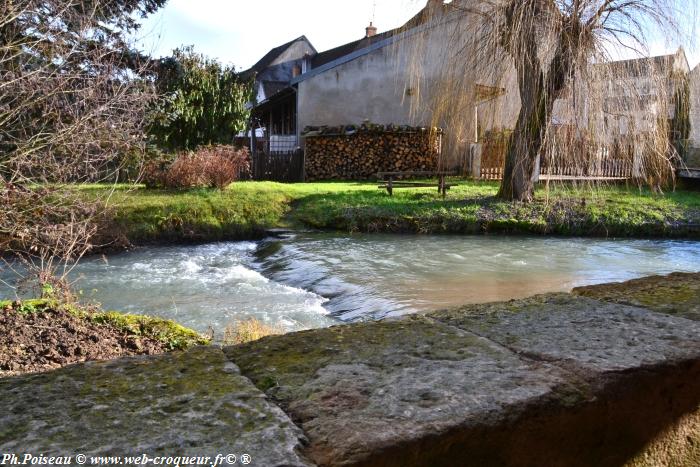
(350, 153)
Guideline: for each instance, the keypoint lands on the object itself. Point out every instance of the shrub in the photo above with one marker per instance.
(210, 166)
(156, 168)
(250, 330)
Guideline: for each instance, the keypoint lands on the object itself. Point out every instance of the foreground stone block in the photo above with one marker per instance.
(585, 336)
(555, 380)
(676, 294)
(179, 404)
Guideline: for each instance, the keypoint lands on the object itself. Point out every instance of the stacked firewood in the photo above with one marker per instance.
(350, 153)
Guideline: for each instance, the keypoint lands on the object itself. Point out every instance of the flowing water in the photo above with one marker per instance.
(315, 280)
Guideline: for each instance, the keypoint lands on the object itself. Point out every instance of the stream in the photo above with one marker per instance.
(311, 280)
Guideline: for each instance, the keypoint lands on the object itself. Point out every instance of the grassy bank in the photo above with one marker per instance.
(41, 335)
(171, 335)
(473, 208)
(247, 209)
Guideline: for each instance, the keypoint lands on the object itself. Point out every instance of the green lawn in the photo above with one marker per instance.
(246, 209)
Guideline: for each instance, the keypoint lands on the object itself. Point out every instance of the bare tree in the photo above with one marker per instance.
(72, 110)
(556, 56)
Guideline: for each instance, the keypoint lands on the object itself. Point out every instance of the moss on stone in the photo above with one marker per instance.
(176, 336)
(191, 403)
(481, 317)
(29, 306)
(287, 361)
(675, 294)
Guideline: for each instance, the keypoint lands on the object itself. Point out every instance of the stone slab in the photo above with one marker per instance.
(179, 404)
(676, 294)
(582, 333)
(552, 380)
(365, 389)
(555, 380)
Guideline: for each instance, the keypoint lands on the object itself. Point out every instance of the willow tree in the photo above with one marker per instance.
(554, 52)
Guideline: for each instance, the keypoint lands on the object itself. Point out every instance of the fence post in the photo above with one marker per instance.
(302, 170)
(475, 159)
(637, 163)
(536, 172)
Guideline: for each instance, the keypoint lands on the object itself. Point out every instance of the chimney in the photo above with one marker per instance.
(370, 30)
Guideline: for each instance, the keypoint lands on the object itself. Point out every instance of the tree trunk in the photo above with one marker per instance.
(521, 156)
(537, 96)
(527, 140)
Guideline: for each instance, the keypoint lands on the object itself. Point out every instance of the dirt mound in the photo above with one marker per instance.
(49, 339)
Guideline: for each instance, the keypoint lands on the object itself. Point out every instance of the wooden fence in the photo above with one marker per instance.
(287, 166)
(582, 161)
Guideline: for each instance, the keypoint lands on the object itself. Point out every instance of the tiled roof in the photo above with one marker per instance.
(268, 58)
(323, 58)
(347, 49)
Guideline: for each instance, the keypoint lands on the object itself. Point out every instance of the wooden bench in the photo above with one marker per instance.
(389, 181)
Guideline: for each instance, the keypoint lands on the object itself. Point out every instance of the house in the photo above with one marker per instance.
(621, 105)
(364, 81)
(275, 101)
(636, 92)
(400, 78)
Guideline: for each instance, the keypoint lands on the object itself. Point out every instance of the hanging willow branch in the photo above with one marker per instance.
(544, 69)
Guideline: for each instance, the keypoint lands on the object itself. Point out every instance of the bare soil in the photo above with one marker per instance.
(50, 339)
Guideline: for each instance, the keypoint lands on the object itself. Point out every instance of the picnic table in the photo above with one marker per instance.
(389, 180)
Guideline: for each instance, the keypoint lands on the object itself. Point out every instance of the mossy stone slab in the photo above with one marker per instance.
(675, 294)
(192, 403)
(362, 390)
(642, 368)
(581, 333)
(553, 380)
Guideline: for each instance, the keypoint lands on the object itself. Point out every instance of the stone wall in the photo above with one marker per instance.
(692, 158)
(359, 154)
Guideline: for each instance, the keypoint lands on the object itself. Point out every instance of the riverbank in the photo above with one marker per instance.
(42, 335)
(246, 210)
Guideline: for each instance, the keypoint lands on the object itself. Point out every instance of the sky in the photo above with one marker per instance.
(240, 32)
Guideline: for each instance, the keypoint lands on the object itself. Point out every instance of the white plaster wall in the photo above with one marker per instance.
(363, 89)
(695, 107)
(294, 52)
(404, 84)
(693, 156)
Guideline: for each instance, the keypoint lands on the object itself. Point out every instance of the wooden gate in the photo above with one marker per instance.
(493, 157)
(287, 166)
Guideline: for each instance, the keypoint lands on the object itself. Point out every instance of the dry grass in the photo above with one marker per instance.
(249, 330)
